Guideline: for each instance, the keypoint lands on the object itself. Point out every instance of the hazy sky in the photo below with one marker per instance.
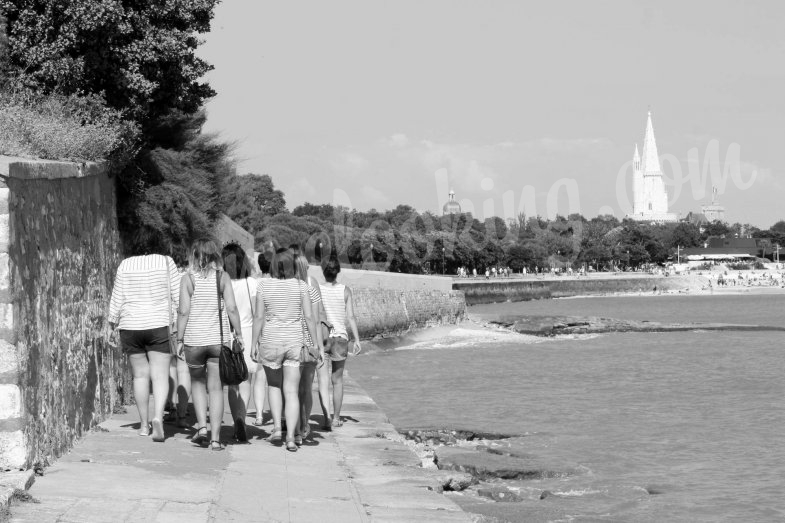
(371, 104)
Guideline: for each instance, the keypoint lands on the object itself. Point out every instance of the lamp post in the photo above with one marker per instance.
(443, 271)
(372, 258)
(628, 259)
(678, 257)
(777, 245)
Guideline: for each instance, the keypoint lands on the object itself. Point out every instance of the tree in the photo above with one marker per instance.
(139, 55)
(250, 199)
(685, 234)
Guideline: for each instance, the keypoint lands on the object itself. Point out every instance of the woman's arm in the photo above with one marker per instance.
(349, 300)
(310, 318)
(258, 323)
(231, 306)
(183, 311)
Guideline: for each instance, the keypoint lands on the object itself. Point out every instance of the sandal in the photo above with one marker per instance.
(291, 446)
(298, 439)
(216, 445)
(276, 436)
(144, 431)
(337, 422)
(258, 422)
(200, 438)
(158, 431)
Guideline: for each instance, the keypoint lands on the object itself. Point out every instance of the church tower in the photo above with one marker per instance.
(650, 199)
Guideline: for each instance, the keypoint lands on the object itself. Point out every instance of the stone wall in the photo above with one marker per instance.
(502, 290)
(58, 252)
(388, 312)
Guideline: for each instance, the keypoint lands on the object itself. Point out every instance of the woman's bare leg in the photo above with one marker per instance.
(216, 392)
(291, 382)
(140, 368)
(259, 390)
(183, 388)
(337, 380)
(323, 377)
(159, 372)
(305, 394)
(199, 395)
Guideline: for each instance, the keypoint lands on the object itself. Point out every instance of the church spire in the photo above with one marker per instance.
(636, 160)
(651, 160)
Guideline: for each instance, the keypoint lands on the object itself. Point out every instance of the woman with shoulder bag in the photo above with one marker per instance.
(201, 292)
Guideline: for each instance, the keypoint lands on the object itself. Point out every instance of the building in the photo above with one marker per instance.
(723, 249)
(451, 207)
(649, 197)
(714, 211)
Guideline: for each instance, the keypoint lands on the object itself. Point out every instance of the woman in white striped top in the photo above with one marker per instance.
(282, 302)
(145, 291)
(200, 344)
(339, 309)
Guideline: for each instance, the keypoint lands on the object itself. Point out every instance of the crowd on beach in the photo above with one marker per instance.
(173, 322)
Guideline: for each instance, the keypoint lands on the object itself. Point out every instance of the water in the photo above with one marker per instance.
(649, 427)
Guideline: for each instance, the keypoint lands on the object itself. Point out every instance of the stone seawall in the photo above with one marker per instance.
(495, 291)
(389, 312)
(58, 252)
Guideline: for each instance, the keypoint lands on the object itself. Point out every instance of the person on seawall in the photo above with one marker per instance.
(339, 309)
(240, 270)
(145, 291)
(312, 355)
(203, 290)
(282, 306)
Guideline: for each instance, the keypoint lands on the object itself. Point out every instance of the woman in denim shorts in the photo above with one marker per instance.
(282, 312)
(200, 344)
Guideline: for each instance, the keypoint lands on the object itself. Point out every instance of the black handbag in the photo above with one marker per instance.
(231, 363)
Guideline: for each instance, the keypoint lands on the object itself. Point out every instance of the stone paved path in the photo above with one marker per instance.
(357, 473)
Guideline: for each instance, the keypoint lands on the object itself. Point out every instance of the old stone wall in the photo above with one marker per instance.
(59, 249)
(387, 312)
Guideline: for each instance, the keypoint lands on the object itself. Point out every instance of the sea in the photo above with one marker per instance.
(686, 426)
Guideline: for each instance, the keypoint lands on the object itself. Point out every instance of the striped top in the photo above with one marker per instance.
(282, 300)
(202, 327)
(139, 297)
(333, 297)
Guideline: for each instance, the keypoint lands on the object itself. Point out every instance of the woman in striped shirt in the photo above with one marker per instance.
(283, 311)
(200, 345)
(145, 291)
(339, 309)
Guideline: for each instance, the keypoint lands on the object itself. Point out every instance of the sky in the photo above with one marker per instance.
(530, 107)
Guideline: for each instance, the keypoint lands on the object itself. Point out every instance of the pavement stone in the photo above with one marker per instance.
(353, 474)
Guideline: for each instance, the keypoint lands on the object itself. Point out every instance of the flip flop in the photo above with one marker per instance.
(200, 438)
(337, 422)
(291, 446)
(216, 445)
(258, 422)
(276, 436)
(144, 431)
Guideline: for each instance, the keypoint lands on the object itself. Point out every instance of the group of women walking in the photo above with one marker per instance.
(291, 328)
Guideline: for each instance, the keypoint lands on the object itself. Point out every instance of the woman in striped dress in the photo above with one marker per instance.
(339, 309)
(200, 344)
(283, 311)
(146, 288)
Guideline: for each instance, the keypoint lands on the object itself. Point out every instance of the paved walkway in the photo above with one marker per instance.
(359, 472)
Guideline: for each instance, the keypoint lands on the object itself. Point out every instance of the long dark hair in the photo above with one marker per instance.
(236, 263)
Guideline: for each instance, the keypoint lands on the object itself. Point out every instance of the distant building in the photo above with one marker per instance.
(649, 198)
(723, 249)
(451, 207)
(714, 211)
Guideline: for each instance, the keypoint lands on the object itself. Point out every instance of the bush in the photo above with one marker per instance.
(58, 127)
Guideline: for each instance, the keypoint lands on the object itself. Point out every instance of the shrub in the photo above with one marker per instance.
(58, 127)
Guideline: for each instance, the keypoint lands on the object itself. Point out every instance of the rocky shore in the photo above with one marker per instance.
(566, 325)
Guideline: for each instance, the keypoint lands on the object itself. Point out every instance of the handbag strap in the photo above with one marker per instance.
(302, 314)
(169, 293)
(250, 300)
(218, 294)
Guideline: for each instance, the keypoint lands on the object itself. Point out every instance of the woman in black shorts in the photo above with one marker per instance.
(145, 293)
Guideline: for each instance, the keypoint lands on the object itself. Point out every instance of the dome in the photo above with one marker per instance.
(451, 207)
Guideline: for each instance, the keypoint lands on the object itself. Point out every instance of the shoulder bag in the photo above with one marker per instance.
(231, 363)
(308, 354)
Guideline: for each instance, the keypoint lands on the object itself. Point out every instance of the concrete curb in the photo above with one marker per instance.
(12, 481)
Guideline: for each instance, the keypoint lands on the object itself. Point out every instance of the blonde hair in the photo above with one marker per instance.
(203, 256)
(301, 266)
